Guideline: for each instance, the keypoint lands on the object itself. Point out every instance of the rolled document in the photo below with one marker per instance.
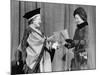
(58, 38)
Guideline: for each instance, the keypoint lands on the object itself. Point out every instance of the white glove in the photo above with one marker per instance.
(55, 45)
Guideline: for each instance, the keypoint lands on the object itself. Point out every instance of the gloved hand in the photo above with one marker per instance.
(69, 40)
(68, 45)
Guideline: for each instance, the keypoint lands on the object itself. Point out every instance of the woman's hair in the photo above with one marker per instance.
(81, 12)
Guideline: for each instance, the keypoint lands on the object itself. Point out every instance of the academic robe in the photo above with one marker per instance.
(32, 44)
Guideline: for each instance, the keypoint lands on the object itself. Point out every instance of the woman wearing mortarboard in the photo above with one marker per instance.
(80, 40)
(33, 45)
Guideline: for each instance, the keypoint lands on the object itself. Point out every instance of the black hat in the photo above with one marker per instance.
(32, 13)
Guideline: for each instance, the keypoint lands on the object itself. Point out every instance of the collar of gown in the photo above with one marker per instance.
(79, 26)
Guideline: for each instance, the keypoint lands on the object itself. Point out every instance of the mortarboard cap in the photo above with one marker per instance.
(32, 13)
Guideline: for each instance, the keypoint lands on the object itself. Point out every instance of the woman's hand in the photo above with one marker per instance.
(55, 45)
(68, 46)
(69, 40)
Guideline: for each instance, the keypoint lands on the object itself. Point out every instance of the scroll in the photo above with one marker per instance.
(58, 38)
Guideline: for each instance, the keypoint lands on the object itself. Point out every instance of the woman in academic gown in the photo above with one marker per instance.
(33, 45)
(79, 41)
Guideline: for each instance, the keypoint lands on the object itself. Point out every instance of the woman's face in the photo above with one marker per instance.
(38, 21)
(78, 19)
